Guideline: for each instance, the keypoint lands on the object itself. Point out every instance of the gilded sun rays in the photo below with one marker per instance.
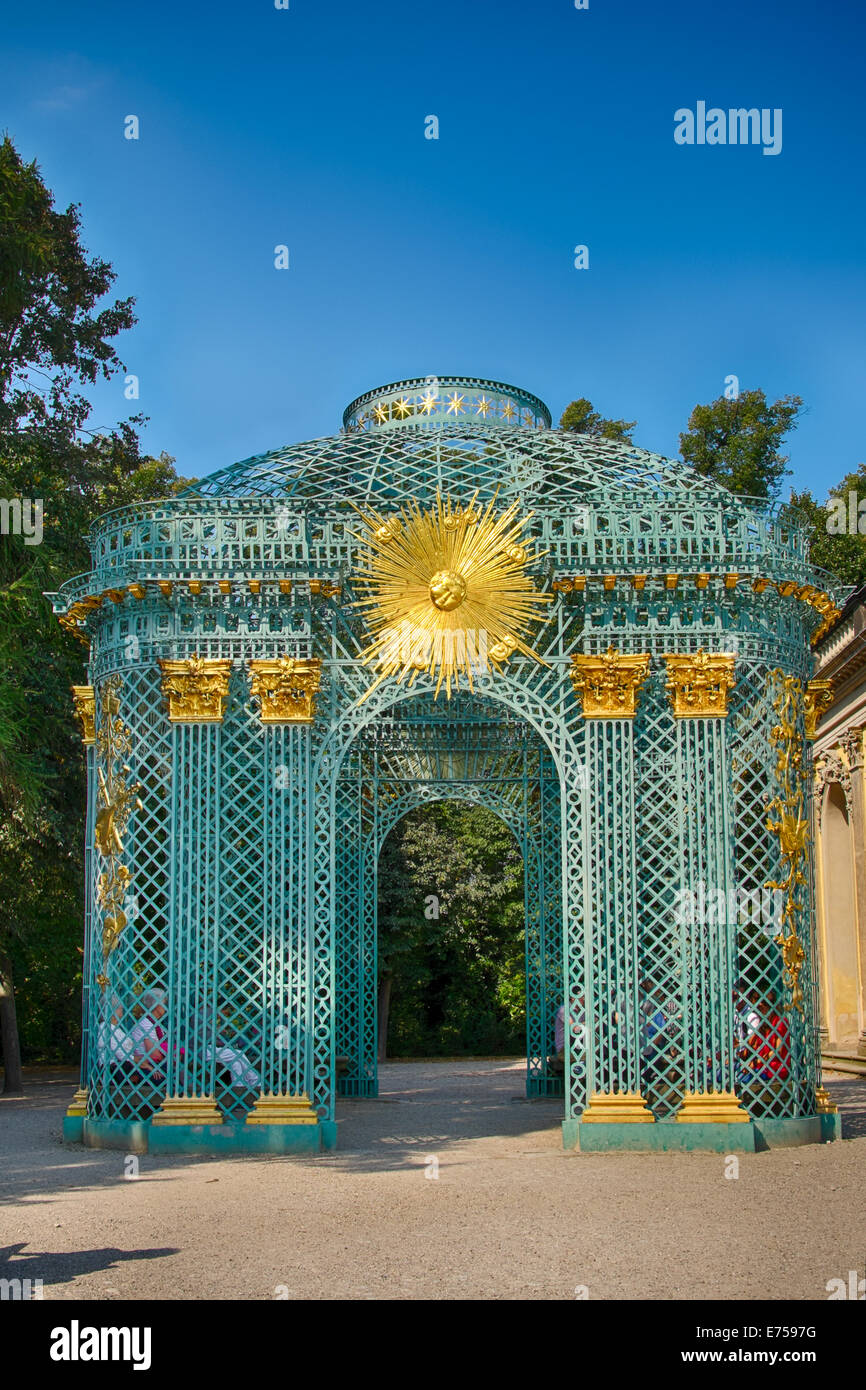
(447, 591)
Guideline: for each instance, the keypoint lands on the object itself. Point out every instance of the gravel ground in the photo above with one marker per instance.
(510, 1216)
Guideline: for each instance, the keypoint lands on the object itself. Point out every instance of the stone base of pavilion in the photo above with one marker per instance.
(140, 1136)
(662, 1136)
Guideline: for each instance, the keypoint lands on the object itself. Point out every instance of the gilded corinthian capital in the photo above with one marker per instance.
(699, 684)
(286, 689)
(197, 690)
(607, 685)
(818, 697)
(84, 708)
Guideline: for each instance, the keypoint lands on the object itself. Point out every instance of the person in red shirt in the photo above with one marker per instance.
(774, 1052)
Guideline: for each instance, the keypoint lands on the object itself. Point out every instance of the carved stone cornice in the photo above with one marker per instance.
(84, 708)
(818, 699)
(286, 689)
(699, 684)
(197, 690)
(608, 685)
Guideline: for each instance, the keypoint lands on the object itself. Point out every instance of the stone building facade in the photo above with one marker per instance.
(839, 813)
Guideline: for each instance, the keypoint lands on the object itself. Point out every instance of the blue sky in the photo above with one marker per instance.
(409, 256)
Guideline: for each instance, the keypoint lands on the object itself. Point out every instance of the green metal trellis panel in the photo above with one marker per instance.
(252, 858)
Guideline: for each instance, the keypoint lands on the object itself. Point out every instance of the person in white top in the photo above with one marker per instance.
(577, 1025)
(244, 1076)
(112, 1042)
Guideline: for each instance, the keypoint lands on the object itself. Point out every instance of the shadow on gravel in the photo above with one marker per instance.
(425, 1107)
(850, 1096)
(53, 1267)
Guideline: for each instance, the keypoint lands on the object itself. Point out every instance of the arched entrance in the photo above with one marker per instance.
(473, 751)
(451, 935)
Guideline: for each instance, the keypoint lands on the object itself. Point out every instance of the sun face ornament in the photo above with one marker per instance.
(446, 591)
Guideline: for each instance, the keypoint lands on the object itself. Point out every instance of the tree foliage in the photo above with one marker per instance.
(52, 335)
(738, 442)
(54, 339)
(841, 551)
(579, 417)
(451, 933)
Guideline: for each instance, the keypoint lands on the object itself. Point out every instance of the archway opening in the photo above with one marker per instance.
(451, 935)
(417, 752)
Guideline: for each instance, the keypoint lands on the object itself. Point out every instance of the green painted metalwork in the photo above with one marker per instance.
(253, 855)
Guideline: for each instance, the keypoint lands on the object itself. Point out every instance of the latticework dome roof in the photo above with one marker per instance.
(459, 434)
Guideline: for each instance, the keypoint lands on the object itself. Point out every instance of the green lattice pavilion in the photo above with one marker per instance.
(448, 599)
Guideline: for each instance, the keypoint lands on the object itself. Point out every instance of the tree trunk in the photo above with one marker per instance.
(384, 1006)
(13, 1083)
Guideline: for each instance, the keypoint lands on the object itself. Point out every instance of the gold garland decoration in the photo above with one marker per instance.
(115, 803)
(447, 591)
(791, 824)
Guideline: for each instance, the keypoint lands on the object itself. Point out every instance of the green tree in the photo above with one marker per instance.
(51, 334)
(832, 545)
(53, 340)
(738, 443)
(451, 932)
(579, 417)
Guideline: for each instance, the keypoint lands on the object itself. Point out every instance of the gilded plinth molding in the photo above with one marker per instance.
(617, 1107)
(818, 697)
(699, 684)
(78, 1104)
(607, 686)
(84, 709)
(286, 689)
(711, 1107)
(282, 1109)
(188, 1110)
(823, 1103)
(197, 690)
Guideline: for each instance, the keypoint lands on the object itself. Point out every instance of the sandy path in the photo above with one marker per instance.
(509, 1216)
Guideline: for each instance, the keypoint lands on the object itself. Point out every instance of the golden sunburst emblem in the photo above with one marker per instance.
(447, 591)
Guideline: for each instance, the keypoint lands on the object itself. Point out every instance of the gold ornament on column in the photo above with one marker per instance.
(711, 1107)
(699, 684)
(115, 803)
(818, 699)
(607, 686)
(84, 708)
(790, 825)
(197, 690)
(286, 689)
